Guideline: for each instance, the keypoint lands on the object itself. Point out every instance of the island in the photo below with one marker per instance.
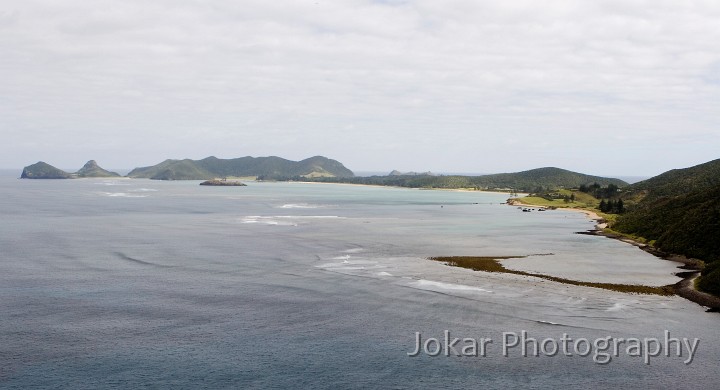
(264, 168)
(223, 183)
(42, 170)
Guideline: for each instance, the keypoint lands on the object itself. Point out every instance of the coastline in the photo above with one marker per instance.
(601, 223)
(685, 288)
(407, 188)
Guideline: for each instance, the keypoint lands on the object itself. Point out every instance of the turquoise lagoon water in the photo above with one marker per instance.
(136, 283)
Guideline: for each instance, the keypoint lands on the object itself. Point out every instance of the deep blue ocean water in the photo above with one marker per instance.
(148, 284)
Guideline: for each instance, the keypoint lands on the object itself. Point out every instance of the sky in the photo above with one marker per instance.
(620, 87)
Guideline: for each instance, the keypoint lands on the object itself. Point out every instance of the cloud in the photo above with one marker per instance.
(415, 84)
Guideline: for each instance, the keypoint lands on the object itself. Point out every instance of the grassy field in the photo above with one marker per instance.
(582, 201)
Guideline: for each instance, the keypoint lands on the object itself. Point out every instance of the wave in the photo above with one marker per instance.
(283, 220)
(432, 285)
(266, 221)
(351, 265)
(617, 306)
(549, 323)
(112, 183)
(299, 206)
(144, 190)
(138, 261)
(122, 195)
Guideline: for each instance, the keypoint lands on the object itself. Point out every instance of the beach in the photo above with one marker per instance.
(685, 288)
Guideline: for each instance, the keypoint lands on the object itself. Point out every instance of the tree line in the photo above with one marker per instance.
(612, 206)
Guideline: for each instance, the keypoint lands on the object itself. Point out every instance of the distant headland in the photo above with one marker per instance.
(268, 168)
(42, 170)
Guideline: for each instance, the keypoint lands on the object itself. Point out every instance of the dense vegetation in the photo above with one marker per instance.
(263, 167)
(679, 212)
(676, 182)
(535, 180)
(600, 192)
(686, 224)
(612, 206)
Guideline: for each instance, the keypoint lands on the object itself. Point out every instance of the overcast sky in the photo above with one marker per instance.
(603, 87)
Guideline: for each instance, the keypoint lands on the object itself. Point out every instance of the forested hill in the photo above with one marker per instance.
(677, 182)
(680, 211)
(687, 224)
(525, 181)
(267, 167)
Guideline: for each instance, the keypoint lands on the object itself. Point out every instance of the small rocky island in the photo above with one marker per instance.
(223, 183)
(92, 169)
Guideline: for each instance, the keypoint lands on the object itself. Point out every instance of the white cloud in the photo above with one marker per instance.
(412, 85)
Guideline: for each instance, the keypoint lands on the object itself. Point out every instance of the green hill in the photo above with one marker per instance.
(173, 170)
(687, 224)
(548, 178)
(265, 167)
(91, 169)
(526, 181)
(676, 182)
(42, 170)
(679, 211)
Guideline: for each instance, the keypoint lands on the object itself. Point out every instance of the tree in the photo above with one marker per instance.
(620, 206)
(572, 197)
(603, 205)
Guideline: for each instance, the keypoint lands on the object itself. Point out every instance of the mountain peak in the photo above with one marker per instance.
(90, 164)
(92, 169)
(42, 170)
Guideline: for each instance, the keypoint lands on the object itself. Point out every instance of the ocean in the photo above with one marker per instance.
(133, 283)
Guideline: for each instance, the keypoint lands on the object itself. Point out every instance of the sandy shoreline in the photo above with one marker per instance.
(684, 288)
(601, 224)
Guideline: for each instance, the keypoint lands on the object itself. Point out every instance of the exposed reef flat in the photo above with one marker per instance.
(492, 264)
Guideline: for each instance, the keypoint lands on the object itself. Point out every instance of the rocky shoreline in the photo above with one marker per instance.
(684, 288)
